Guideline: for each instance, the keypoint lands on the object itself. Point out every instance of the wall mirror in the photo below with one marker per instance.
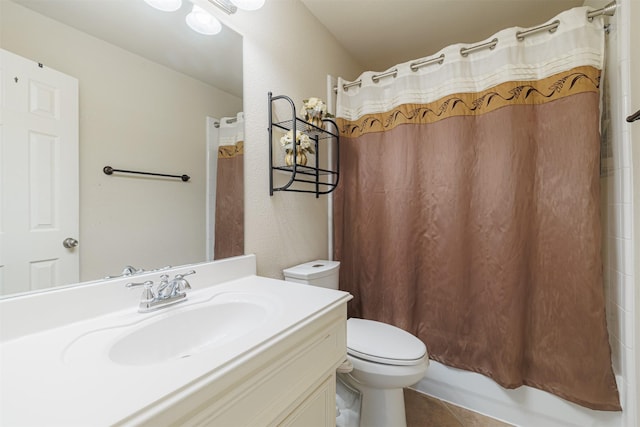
(151, 95)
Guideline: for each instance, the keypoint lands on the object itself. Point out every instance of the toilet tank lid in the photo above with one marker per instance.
(312, 270)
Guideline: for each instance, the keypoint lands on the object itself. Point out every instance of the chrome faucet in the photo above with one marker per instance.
(168, 292)
(129, 270)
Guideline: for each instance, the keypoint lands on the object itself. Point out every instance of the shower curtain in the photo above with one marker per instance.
(468, 208)
(229, 226)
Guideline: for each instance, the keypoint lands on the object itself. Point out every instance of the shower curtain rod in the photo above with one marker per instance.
(228, 121)
(608, 10)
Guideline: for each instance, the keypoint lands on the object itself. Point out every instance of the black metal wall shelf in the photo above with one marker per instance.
(309, 178)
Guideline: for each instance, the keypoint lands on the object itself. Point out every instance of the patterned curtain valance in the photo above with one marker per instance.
(557, 86)
(545, 57)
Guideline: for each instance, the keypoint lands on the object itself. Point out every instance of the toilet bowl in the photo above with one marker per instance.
(385, 358)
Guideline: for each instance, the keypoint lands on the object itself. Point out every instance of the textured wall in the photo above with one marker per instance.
(633, 418)
(286, 51)
(617, 207)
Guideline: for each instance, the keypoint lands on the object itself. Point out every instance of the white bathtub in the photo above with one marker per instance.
(524, 406)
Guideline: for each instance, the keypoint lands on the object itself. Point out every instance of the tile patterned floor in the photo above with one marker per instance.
(426, 411)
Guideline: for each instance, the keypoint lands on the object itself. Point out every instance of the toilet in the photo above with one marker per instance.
(385, 358)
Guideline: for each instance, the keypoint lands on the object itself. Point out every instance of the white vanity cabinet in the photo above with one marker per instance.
(317, 409)
(242, 350)
(290, 383)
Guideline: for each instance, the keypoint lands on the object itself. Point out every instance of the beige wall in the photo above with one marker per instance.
(286, 51)
(137, 115)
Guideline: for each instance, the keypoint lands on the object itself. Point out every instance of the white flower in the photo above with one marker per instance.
(305, 143)
(302, 140)
(314, 108)
(311, 103)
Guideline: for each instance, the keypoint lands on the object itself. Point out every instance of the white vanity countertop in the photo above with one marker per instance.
(44, 380)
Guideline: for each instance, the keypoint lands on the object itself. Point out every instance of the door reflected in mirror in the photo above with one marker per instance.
(146, 86)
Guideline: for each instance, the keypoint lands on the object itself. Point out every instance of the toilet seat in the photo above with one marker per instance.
(383, 343)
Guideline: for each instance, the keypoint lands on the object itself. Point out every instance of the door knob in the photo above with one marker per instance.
(69, 243)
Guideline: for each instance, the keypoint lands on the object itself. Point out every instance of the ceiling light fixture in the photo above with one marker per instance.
(225, 5)
(248, 4)
(231, 6)
(165, 5)
(199, 19)
(203, 22)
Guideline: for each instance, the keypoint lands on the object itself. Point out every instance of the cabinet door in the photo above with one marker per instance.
(318, 409)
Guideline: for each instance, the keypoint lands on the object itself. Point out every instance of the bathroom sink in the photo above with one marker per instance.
(185, 333)
(171, 335)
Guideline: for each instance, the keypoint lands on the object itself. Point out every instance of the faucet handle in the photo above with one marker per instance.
(188, 273)
(130, 270)
(132, 284)
(181, 283)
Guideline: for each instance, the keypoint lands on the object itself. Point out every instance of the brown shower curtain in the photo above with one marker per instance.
(229, 228)
(473, 221)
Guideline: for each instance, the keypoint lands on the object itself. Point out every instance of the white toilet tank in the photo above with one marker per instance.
(317, 273)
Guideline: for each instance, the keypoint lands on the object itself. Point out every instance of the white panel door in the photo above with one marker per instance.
(39, 191)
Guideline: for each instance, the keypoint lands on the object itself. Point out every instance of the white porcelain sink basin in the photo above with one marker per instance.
(175, 334)
(185, 333)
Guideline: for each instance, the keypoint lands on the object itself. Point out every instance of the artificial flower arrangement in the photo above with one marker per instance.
(303, 142)
(315, 110)
(303, 145)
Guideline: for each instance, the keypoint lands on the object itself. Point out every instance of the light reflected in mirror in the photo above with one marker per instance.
(150, 90)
